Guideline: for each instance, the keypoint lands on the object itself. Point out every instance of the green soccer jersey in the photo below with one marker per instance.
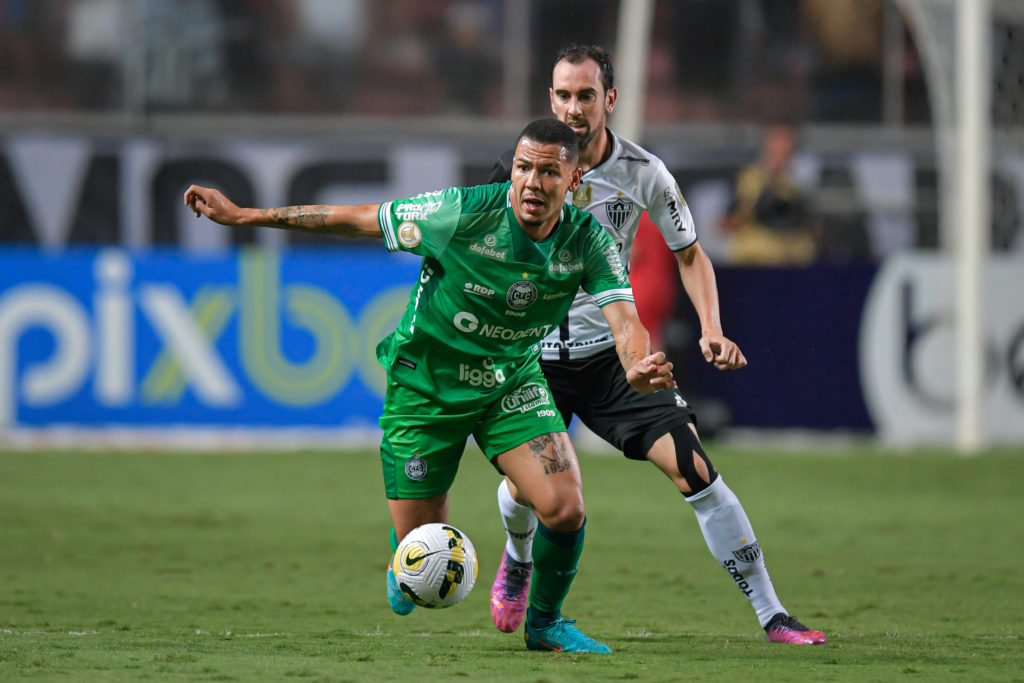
(487, 293)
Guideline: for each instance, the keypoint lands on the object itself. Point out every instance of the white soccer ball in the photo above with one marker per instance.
(435, 565)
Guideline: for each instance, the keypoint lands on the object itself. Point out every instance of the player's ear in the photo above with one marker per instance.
(577, 176)
(610, 98)
(551, 97)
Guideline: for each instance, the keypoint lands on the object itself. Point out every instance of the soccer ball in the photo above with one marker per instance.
(435, 565)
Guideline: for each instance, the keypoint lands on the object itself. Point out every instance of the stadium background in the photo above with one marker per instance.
(121, 316)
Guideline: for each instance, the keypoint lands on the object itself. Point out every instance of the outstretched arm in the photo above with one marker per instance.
(645, 371)
(345, 221)
(698, 276)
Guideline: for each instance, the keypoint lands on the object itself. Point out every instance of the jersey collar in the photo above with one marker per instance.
(524, 249)
(614, 154)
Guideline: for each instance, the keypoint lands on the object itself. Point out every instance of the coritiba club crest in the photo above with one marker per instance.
(521, 295)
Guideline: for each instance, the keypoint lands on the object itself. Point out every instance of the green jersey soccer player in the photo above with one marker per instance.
(501, 266)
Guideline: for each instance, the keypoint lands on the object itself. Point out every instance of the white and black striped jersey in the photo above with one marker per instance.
(630, 181)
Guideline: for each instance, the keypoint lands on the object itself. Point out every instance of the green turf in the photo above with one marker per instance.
(134, 566)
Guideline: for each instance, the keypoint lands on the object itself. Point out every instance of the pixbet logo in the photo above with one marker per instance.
(148, 351)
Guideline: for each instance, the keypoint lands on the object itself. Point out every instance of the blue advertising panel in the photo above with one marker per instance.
(161, 339)
(261, 339)
(799, 329)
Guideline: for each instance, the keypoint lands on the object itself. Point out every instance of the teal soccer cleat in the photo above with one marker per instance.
(561, 636)
(399, 601)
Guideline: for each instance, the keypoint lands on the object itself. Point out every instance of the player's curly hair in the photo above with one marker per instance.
(576, 54)
(552, 131)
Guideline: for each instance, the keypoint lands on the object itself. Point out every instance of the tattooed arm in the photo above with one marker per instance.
(645, 371)
(346, 221)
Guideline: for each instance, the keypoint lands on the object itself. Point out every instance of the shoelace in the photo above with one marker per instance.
(790, 623)
(560, 621)
(515, 579)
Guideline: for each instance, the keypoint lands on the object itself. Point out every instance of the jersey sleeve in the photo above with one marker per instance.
(669, 211)
(422, 225)
(605, 277)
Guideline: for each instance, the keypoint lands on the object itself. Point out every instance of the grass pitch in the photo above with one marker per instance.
(270, 566)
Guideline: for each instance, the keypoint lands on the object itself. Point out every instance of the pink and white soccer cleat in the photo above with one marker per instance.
(510, 592)
(786, 629)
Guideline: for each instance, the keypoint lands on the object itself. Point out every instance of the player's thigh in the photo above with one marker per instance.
(422, 444)
(524, 412)
(524, 433)
(546, 475)
(625, 418)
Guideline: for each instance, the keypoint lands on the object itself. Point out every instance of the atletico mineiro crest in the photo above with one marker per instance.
(748, 553)
(619, 210)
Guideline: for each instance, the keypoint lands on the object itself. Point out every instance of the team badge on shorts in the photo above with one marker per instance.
(415, 468)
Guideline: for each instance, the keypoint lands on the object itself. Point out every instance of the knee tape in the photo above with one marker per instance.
(687, 444)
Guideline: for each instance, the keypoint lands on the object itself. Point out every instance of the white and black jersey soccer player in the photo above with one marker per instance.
(620, 181)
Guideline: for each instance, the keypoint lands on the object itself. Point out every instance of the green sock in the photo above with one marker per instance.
(393, 539)
(556, 557)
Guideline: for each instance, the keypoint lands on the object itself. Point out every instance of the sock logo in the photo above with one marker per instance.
(748, 553)
(741, 582)
(516, 534)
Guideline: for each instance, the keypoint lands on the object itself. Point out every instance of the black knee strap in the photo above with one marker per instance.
(687, 444)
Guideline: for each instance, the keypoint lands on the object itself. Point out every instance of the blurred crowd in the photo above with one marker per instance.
(779, 64)
(711, 60)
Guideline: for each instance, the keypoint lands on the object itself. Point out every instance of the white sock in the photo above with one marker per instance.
(731, 540)
(520, 525)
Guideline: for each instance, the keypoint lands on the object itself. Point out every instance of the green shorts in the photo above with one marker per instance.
(424, 440)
